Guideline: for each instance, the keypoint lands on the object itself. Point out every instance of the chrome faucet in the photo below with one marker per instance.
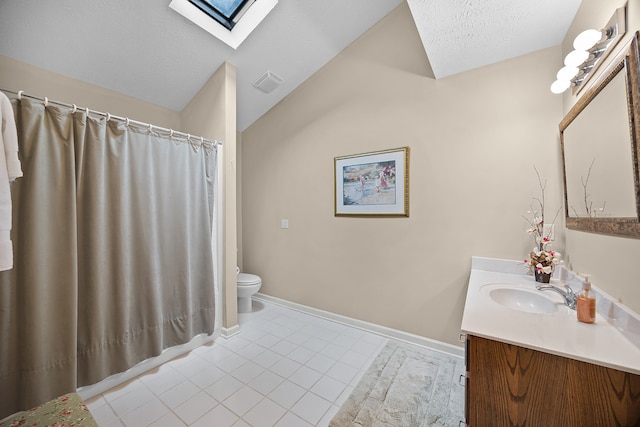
(569, 295)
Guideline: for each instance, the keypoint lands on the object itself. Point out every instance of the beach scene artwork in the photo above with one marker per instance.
(369, 183)
(375, 183)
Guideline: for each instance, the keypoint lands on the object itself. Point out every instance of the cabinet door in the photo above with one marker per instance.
(467, 363)
(514, 386)
(507, 386)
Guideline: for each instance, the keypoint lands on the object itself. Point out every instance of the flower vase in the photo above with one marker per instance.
(542, 277)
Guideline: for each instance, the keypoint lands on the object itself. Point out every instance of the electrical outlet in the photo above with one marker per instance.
(549, 232)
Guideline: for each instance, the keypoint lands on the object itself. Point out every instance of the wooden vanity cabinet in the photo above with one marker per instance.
(508, 385)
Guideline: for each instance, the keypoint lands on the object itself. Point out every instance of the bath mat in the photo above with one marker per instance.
(406, 386)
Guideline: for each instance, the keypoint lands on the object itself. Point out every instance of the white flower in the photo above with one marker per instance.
(544, 269)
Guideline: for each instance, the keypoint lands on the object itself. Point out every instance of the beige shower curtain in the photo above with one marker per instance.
(112, 251)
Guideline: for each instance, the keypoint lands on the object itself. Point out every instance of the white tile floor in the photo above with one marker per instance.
(285, 368)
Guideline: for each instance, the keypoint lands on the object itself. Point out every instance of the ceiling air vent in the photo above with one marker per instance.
(268, 82)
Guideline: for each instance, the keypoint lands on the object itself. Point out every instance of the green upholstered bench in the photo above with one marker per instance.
(68, 410)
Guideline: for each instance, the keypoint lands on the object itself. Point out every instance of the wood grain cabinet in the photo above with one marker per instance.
(508, 385)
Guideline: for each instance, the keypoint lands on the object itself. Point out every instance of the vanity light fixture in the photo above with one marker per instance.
(590, 47)
(576, 58)
(587, 39)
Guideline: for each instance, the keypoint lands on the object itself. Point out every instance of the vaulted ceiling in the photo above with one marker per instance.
(146, 50)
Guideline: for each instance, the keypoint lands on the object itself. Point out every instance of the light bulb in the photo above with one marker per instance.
(587, 39)
(560, 86)
(575, 58)
(567, 73)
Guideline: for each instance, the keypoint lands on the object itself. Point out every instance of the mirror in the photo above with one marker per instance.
(599, 140)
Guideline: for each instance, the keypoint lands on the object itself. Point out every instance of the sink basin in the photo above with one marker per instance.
(529, 301)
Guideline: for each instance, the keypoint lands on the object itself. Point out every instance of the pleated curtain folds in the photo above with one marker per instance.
(112, 251)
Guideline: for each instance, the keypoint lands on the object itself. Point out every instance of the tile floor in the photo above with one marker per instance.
(285, 368)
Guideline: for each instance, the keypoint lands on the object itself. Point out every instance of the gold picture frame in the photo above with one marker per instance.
(372, 184)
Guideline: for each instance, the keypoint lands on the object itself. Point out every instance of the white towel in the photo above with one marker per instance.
(10, 169)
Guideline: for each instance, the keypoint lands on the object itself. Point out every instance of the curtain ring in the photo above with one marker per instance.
(202, 140)
(87, 110)
(108, 116)
(188, 137)
(150, 127)
(126, 121)
(20, 92)
(75, 108)
(170, 133)
(46, 101)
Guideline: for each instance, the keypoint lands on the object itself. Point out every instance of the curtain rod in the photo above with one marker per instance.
(108, 116)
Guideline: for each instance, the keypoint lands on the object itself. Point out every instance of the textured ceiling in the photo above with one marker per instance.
(145, 50)
(459, 35)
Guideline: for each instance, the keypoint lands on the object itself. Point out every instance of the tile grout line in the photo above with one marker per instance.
(300, 325)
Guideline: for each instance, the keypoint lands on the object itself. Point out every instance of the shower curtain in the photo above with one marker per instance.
(112, 251)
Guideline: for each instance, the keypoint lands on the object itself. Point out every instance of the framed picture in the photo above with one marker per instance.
(373, 184)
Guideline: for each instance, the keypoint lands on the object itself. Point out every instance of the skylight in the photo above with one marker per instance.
(231, 21)
(227, 8)
(226, 12)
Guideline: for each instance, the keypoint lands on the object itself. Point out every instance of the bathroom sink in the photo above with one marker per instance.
(522, 299)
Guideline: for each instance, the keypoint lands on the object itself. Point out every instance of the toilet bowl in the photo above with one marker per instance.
(248, 284)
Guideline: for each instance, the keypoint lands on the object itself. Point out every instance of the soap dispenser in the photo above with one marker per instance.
(586, 303)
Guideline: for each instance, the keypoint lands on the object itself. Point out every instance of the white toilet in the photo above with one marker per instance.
(248, 284)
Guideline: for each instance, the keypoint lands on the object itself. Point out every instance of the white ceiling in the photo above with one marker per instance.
(459, 35)
(143, 49)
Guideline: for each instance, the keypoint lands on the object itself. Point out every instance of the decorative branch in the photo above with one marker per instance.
(588, 205)
(585, 182)
(541, 259)
(542, 188)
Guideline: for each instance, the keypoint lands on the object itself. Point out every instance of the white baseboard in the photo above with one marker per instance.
(87, 392)
(366, 326)
(230, 332)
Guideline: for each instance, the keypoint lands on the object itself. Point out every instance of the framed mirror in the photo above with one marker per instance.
(599, 140)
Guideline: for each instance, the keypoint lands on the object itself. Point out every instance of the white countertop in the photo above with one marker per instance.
(605, 342)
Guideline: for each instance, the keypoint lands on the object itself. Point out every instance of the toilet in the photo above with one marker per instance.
(248, 284)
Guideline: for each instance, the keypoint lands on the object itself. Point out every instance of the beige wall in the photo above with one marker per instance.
(612, 262)
(474, 138)
(212, 114)
(239, 197)
(16, 75)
